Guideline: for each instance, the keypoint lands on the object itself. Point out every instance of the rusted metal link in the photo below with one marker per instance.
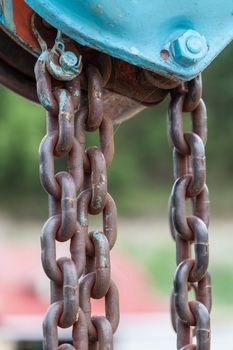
(95, 108)
(98, 180)
(183, 249)
(181, 292)
(102, 265)
(46, 161)
(47, 171)
(180, 163)
(48, 249)
(48, 246)
(193, 94)
(106, 134)
(104, 332)
(80, 134)
(184, 334)
(198, 164)
(109, 219)
(204, 291)
(65, 122)
(178, 203)
(201, 247)
(44, 85)
(50, 325)
(199, 121)
(175, 125)
(201, 205)
(172, 228)
(74, 88)
(68, 207)
(70, 293)
(75, 165)
(184, 308)
(202, 325)
(107, 139)
(173, 313)
(111, 304)
(50, 341)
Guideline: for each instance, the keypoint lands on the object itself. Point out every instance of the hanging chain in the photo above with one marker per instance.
(190, 318)
(86, 272)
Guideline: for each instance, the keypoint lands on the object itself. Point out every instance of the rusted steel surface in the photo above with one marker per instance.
(86, 273)
(190, 319)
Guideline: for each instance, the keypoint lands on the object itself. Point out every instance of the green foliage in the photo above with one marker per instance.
(159, 260)
(141, 174)
(21, 129)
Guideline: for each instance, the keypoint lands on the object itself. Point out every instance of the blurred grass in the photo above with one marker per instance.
(159, 260)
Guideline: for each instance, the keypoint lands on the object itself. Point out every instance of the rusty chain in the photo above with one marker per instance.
(190, 231)
(86, 273)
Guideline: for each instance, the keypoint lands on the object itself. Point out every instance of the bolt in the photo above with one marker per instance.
(68, 60)
(189, 48)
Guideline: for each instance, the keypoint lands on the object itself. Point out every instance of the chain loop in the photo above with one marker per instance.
(189, 177)
(102, 265)
(98, 180)
(111, 304)
(70, 293)
(95, 108)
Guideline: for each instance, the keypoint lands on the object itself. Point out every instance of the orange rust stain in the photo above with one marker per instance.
(22, 18)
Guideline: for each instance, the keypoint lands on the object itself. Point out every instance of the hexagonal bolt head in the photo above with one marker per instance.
(189, 48)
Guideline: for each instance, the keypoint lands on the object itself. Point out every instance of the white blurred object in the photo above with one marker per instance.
(136, 331)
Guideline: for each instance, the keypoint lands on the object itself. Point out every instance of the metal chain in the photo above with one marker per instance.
(190, 318)
(86, 273)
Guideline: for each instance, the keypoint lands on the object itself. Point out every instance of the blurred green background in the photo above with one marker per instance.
(140, 177)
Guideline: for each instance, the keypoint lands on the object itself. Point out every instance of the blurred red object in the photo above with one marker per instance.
(24, 287)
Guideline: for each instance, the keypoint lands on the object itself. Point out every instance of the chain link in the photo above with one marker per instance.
(86, 273)
(190, 318)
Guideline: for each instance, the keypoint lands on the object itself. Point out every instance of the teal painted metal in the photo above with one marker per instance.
(8, 18)
(143, 32)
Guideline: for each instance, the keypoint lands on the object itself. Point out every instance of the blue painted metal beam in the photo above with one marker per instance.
(144, 32)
